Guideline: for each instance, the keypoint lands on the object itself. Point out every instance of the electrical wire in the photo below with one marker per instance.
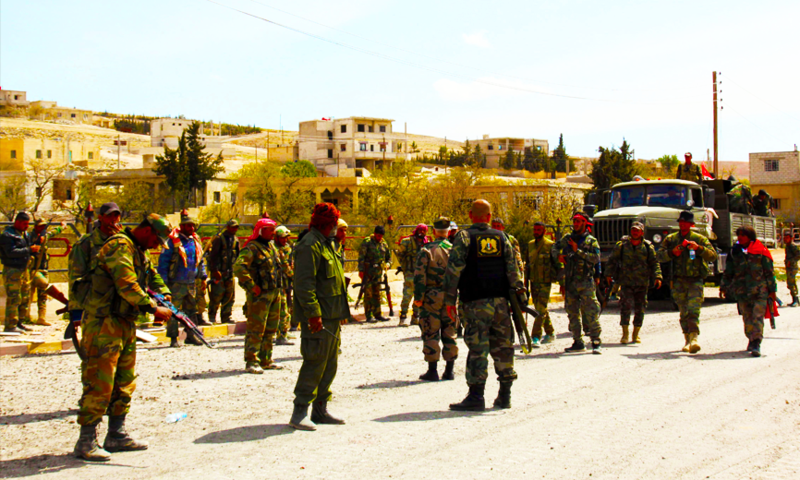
(756, 126)
(761, 100)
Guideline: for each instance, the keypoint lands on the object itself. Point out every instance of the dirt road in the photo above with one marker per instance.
(644, 411)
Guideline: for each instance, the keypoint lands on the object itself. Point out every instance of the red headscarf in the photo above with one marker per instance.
(423, 229)
(261, 223)
(324, 215)
(758, 248)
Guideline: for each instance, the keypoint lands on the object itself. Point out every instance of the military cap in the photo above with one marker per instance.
(686, 217)
(109, 208)
(638, 226)
(379, 230)
(341, 223)
(160, 225)
(232, 223)
(442, 223)
(282, 231)
(22, 216)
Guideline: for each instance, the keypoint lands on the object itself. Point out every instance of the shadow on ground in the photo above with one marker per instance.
(35, 417)
(425, 416)
(391, 384)
(247, 433)
(43, 464)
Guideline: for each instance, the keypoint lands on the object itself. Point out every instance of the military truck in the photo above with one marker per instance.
(657, 204)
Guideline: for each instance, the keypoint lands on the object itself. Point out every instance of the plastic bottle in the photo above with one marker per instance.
(692, 254)
(175, 417)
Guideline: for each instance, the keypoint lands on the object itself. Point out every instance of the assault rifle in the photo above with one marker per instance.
(180, 316)
(518, 306)
(384, 286)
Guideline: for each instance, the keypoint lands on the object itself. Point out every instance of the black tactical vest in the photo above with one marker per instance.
(484, 276)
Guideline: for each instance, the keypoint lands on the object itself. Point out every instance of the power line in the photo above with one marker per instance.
(764, 101)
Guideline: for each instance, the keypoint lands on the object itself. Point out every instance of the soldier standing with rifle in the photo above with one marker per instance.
(221, 257)
(16, 253)
(481, 269)
(407, 255)
(373, 258)
(689, 171)
(541, 270)
(284, 248)
(579, 253)
(792, 252)
(116, 298)
(634, 267)
(39, 263)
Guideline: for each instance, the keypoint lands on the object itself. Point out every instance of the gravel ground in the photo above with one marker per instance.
(646, 411)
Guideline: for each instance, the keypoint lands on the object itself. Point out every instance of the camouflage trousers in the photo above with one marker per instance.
(263, 315)
(221, 293)
(184, 298)
(436, 325)
(285, 317)
(687, 292)
(320, 353)
(41, 297)
(372, 299)
(540, 297)
(200, 299)
(18, 288)
(408, 296)
(580, 300)
(753, 311)
(488, 331)
(632, 297)
(107, 374)
(791, 281)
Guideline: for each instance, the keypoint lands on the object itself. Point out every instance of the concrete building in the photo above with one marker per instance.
(166, 132)
(49, 110)
(343, 147)
(779, 174)
(13, 98)
(15, 153)
(495, 148)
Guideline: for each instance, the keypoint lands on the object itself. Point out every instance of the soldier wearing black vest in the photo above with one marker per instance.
(482, 268)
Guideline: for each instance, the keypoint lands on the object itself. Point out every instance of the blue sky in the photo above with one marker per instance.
(642, 69)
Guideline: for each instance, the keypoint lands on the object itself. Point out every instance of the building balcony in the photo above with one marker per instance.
(359, 155)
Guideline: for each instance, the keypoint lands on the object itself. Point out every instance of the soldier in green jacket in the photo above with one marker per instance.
(284, 247)
(689, 253)
(39, 264)
(374, 257)
(689, 171)
(436, 325)
(117, 297)
(762, 204)
(792, 256)
(407, 255)
(320, 306)
(541, 270)
(259, 272)
(499, 224)
(634, 267)
(222, 255)
(749, 279)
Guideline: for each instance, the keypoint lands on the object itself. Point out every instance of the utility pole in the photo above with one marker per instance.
(716, 146)
(119, 146)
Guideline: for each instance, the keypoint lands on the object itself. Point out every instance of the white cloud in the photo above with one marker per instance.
(478, 39)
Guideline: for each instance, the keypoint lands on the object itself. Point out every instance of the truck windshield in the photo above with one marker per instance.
(651, 195)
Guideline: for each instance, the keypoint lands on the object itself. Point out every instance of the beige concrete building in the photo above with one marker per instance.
(49, 110)
(497, 147)
(13, 98)
(345, 146)
(15, 153)
(166, 132)
(779, 174)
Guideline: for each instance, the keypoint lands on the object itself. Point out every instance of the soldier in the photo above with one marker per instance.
(634, 267)
(340, 239)
(39, 263)
(431, 265)
(578, 254)
(201, 287)
(320, 305)
(116, 298)
(407, 255)
(181, 263)
(482, 268)
(541, 269)
(762, 204)
(15, 253)
(690, 253)
(498, 224)
(222, 255)
(689, 171)
(792, 256)
(750, 281)
(284, 248)
(259, 272)
(373, 257)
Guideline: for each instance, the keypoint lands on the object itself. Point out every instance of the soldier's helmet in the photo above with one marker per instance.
(160, 225)
(282, 231)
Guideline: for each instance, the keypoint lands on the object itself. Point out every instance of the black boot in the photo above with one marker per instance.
(300, 420)
(596, 347)
(448, 370)
(474, 402)
(191, 339)
(432, 375)
(577, 346)
(117, 439)
(199, 320)
(87, 447)
(24, 327)
(320, 414)
(795, 302)
(750, 345)
(756, 350)
(503, 399)
(174, 343)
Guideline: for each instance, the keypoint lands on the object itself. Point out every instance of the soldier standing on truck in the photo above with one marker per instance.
(792, 256)
(689, 171)
(762, 204)
(690, 253)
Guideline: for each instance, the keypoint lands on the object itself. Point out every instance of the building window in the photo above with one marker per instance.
(91, 155)
(73, 115)
(382, 128)
(343, 147)
(344, 128)
(217, 197)
(371, 129)
(776, 202)
(363, 146)
(85, 116)
(360, 127)
(330, 153)
(490, 147)
(13, 154)
(372, 148)
(772, 165)
(38, 154)
(233, 198)
(69, 194)
(50, 154)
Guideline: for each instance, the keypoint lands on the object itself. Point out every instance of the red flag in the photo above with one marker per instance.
(706, 174)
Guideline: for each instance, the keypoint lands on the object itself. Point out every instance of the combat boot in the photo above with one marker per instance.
(577, 346)
(503, 399)
(174, 343)
(191, 339)
(300, 419)
(414, 320)
(13, 329)
(371, 320)
(403, 323)
(283, 341)
(254, 369)
(87, 447)
(535, 343)
(432, 375)
(117, 439)
(547, 339)
(43, 322)
(624, 339)
(596, 347)
(750, 345)
(448, 370)
(321, 416)
(694, 347)
(24, 327)
(381, 318)
(200, 320)
(795, 302)
(474, 401)
(686, 346)
(635, 335)
(756, 350)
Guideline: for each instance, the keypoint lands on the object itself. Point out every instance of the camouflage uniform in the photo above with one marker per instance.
(259, 265)
(82, 262)
(372, 258)
(222, 255)
(201, 287)
(740, 199)
(749, 279)
(792, 256)
(429, 271)
(407, 255)
(541, 270)
(487, 323)
(517, 251)
(762, 207)
(182, 279)
(16, 254)
(691, 173)
(39, 263)
(635, 269)
(116, 297)
(688, 276)
(285, 254)
(577, 276)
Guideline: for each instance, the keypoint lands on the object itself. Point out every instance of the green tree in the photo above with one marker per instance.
(260, 193)
(562, 162)
(13, 198)
(509, 160)
(669, 163)
(299, 169)
(613, 166)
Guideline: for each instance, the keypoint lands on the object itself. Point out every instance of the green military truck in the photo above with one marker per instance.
(657, 204)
